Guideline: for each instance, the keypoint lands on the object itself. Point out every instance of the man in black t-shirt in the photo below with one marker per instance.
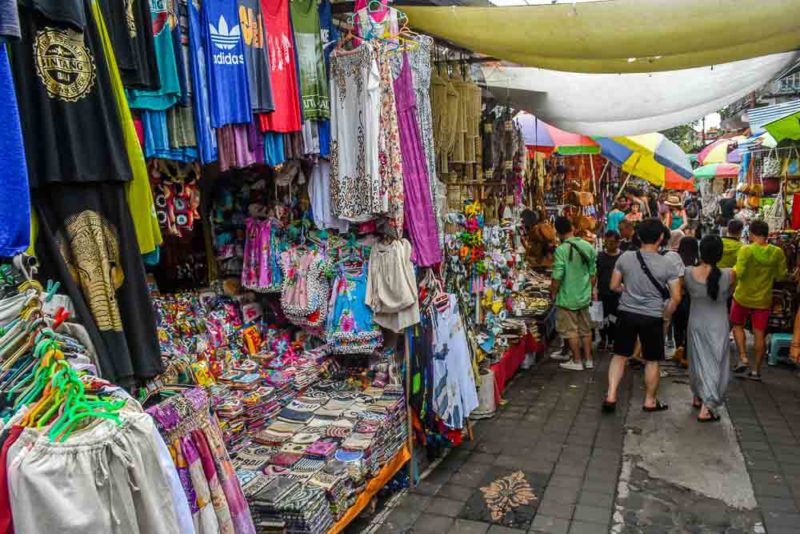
(727, 207)
(610, 299)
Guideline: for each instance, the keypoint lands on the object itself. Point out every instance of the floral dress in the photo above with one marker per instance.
(304, 297)
(350, 327)
(355, 181)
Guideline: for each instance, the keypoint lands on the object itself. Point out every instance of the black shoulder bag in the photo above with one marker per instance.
(663, 291)
(573, 246)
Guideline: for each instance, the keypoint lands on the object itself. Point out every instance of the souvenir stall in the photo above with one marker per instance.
(769, 189)
(486, 267)
(66, 431)
(266, 275)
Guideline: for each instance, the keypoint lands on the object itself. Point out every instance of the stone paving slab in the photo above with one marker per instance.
(551, 429)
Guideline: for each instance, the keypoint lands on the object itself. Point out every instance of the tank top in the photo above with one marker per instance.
(283, 69)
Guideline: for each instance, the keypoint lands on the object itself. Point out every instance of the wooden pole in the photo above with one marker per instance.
(410, 436)
(622, 188)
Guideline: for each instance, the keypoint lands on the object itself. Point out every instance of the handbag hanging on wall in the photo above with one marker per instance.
(775, 214)
(770, 165)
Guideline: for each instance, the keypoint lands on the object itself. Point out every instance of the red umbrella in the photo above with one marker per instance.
(542, 137)
(674, 181)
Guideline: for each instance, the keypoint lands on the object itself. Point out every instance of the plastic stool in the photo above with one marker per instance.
(779, 348)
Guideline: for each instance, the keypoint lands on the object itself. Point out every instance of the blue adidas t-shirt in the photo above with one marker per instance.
(206, 138)
(228, 85)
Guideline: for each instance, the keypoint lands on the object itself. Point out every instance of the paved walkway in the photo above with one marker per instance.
(550, 461)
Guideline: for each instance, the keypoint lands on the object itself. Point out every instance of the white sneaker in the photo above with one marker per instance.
(560, 356)
(571, 365)
(588, 364)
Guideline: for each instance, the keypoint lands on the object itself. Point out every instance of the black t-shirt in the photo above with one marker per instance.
(9, 20)
(131, 33)
(727, 208)
(630, 244)
(605, 268)
(87, 241)
(69, 117)
(71, 12)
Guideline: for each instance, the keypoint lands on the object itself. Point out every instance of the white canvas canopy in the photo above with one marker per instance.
(633, 103)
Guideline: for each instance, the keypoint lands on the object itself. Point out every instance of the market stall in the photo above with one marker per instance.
(278, 286)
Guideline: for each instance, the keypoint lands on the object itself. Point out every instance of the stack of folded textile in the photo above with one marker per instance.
(303, 508)
(334, 480)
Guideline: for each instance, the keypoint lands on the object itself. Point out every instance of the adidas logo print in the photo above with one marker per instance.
(224, 38)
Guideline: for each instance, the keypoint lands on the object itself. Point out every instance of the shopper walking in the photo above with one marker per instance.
(708, 286)
(627, 232)
(574, 270)
(731, 244)
(688, 252)
(651, 290)
(606, 261)
(616, 215)
(758, 266)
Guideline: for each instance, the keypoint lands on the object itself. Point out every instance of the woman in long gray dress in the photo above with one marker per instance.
(709, 288)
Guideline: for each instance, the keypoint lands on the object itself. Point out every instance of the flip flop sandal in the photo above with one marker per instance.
(659, 407)
(740, 368)
(712, 419)
(752, 375)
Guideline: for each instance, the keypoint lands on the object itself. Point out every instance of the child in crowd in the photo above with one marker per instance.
(635, 215)
(731, 244)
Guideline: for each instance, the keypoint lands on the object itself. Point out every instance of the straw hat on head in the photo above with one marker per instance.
(673, 201)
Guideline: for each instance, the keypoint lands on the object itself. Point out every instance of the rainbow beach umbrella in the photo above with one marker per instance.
(721, 151)
(651, 157)
(717, 170)
(542, 137)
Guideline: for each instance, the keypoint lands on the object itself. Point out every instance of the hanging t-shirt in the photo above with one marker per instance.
(157, 139)
(68, 12)
(14, 195)
(170, 90)
(283, 68)
(180, 43)
(87, 241)
(137, 191)
(329, 35)
(229, 88)
(69, 119)
(9, 20)
(206, 138)
(255, 53)
(313, 78)
(131, 34)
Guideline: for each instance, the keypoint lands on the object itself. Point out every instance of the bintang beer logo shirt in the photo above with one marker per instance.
(69, 118)
(229, 88)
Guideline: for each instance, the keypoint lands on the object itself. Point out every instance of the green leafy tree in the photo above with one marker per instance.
(684, 136)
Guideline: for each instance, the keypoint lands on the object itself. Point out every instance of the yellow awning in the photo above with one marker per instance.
(619, 35)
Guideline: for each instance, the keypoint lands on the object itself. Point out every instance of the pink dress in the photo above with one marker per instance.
(420, 220)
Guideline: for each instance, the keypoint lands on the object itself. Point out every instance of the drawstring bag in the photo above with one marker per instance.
(771, 165)
(775, 214)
